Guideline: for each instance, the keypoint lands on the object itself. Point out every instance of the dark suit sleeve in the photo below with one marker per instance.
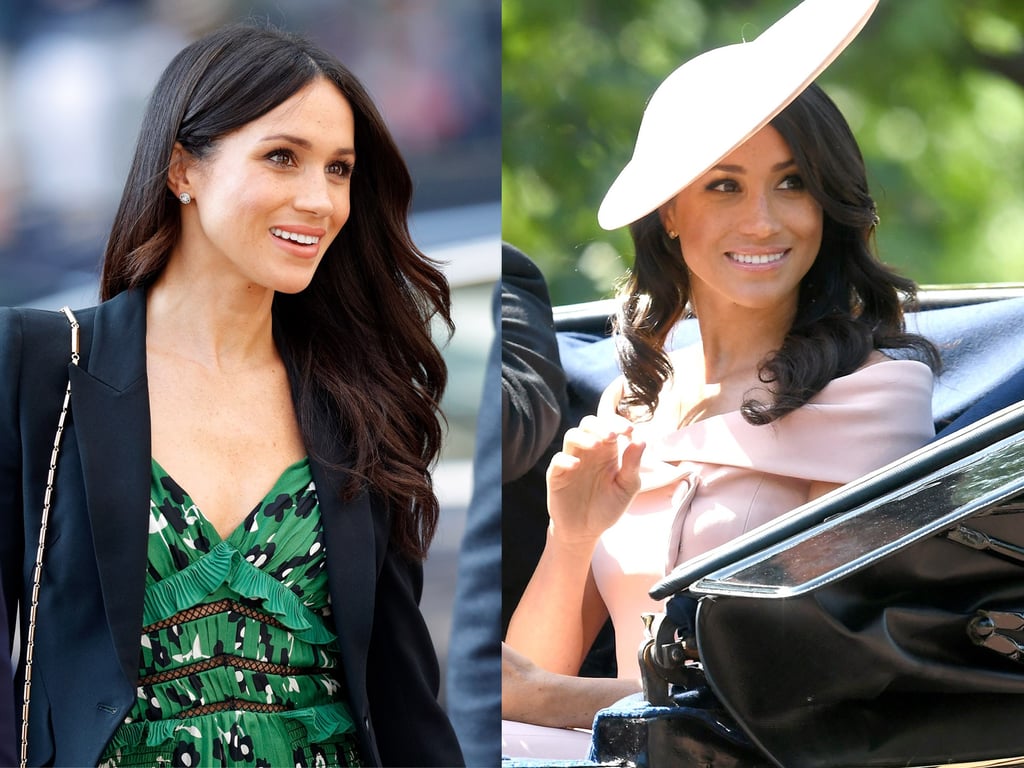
(10, 519)
(533, 389)
(534, 410)
(411, 728)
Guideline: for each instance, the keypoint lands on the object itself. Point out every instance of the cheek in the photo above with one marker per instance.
(810, 224)
(243, 215)
(701, 234)
(342, 200)
(237, 197)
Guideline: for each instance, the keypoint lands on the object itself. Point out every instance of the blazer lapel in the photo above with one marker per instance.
(110, 407)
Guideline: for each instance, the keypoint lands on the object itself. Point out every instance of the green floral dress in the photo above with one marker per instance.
(238, 656)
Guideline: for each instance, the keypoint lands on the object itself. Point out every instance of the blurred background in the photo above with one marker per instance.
(74, 79)
(933, 89)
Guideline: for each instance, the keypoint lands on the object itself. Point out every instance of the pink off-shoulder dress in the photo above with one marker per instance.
(706, 483)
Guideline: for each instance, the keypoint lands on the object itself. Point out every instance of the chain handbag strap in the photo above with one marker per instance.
(37, 573)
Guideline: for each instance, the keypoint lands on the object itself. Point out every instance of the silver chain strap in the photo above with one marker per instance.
(37, 573)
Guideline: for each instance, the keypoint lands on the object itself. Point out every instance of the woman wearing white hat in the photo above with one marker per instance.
(748, 205)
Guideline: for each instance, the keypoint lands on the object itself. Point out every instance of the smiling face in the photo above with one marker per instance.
(748, 229)
(271, 196)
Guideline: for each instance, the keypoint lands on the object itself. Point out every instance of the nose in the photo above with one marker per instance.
(760, 217)
(314, 194)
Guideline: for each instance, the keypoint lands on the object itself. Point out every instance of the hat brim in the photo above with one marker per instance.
(716, 101)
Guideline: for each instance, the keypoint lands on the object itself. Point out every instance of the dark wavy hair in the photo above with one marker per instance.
(365, 371)
(850, 303)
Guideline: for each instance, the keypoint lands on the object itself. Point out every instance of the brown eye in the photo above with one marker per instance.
(281, 157)
(793, 181)
(340, 168)
(724, 185)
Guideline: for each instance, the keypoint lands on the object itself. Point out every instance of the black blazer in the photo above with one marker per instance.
(90, 607)
(7, 740)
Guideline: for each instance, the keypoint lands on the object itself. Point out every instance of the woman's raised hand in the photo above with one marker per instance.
(593, 478)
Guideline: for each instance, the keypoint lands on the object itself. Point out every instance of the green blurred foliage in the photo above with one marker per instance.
(933, 89)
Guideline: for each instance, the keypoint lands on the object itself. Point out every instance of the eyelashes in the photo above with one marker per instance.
(723, 185)
(342, 168)
(286, 159)
(792, 181)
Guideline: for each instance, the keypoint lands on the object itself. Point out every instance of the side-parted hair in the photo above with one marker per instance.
(850, 303)
(365, 372)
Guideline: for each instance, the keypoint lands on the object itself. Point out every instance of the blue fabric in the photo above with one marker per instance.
(982, 348)
(698, 706)
(1005, 394)
(474, 651)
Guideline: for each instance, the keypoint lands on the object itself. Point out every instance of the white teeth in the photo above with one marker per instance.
(765, 258)
(294, 237)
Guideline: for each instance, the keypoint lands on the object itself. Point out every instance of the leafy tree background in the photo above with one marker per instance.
(933, 89)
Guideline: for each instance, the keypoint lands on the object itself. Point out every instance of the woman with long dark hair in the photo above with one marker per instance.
(748, 205)
(231, 562)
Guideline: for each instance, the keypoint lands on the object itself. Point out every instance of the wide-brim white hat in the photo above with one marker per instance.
(716, 101)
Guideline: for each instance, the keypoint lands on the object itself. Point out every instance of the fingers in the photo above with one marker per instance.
(561, 470)
(594, 433)
(605, 427)
(594, 443)
(629, 473)
(600, 446)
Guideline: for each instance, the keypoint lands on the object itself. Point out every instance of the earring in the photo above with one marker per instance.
(672, 234)
(185, 198)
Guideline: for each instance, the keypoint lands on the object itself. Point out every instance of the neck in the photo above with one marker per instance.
(221, 325)
(736, 339)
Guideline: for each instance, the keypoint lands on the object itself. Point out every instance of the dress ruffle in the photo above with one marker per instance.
(322, 723)
(225, 569)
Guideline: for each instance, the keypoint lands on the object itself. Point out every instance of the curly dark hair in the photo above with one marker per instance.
(357, 342)
(850, 303)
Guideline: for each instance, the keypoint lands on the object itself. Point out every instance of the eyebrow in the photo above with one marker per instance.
(740, 169)
(304, 143)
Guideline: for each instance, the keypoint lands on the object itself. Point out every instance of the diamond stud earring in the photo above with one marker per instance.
(185, 198)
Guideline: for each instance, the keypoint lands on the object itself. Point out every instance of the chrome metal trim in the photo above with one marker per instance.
(851, 541)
